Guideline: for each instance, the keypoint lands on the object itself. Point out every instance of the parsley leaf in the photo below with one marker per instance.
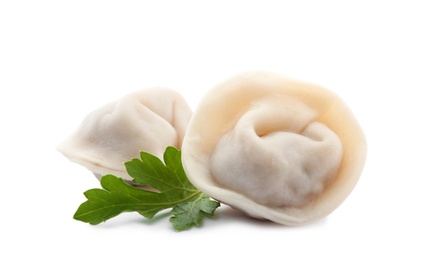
(191, 213)
(173, 190)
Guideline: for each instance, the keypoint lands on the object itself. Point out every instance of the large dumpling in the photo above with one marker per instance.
(148, 120)
(274, 148)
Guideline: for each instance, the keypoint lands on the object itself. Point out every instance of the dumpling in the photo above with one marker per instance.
(148, 120)
(274, 148)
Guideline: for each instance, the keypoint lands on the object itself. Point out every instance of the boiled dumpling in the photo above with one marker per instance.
(274, 148)
(148, 120)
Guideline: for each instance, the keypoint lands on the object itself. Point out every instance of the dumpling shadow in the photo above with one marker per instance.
(230, 215)
(223, 216)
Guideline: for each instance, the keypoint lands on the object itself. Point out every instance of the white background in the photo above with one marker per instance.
(61, 59)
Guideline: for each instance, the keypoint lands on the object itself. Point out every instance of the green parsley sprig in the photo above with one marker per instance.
(174, 190)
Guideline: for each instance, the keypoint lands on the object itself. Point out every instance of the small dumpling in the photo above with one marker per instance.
(274, 148)
(148, 120)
